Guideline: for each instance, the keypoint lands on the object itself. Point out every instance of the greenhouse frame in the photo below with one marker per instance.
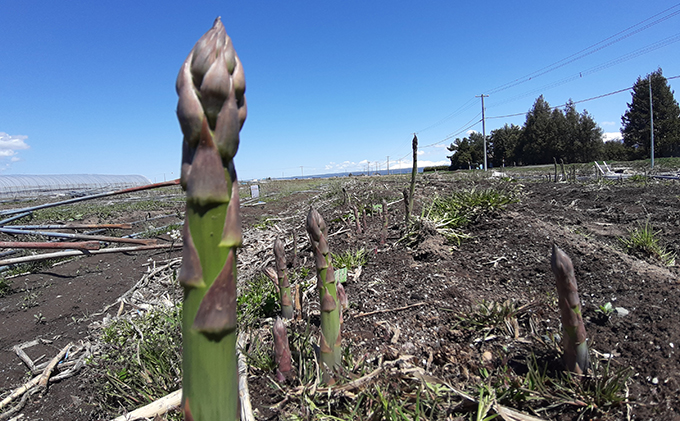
(73, 185)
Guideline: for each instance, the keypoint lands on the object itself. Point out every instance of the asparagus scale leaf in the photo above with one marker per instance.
(211, 110)
(574, 342)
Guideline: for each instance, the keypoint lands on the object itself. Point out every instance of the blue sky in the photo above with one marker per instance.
(88, 86)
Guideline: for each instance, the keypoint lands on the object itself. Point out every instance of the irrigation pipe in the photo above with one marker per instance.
(79, 236)
(59, 254)
(70, 226)
(81, 245)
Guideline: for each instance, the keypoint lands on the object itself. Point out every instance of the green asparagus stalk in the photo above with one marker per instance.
(329, 343)
(284, 284)
(282, 356)
(383, 231)
(574, 342)
(211, 111)
(414, 172)
(356, 219)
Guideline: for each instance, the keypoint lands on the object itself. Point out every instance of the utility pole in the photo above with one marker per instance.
(388, 165)
(651, 116)
(368, 168)
(483, 128)
(302, 172)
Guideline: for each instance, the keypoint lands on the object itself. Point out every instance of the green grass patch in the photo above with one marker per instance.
(258, 298)
(5, 286)
(643, 240)
(350, 259)
(141, 360)
(452, 213)
(465, 207)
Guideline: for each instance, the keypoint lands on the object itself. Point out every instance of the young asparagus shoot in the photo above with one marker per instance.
(284, 284)
(329, 343)
(211, 110)
(574, 342)
(282, 356)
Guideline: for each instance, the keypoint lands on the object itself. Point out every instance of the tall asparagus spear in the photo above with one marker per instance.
(211, 111)
(331, 358)
(574, 341)
(284, 283)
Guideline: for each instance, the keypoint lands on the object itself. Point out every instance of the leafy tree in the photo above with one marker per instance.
(467, 152)
(636, 120)
(503, 145)
(614, 150)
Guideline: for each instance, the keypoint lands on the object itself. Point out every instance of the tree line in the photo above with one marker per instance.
(552, 133)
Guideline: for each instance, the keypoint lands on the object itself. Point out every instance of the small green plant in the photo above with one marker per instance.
(350, 259)
(605, 309)
(30, 298)
(265, 223)
(643, 240)
(638, 178)
(39, 319)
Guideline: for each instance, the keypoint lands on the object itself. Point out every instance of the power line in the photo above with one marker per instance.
(619, 36)
(589, 50)
(470, 104)
(629, 56)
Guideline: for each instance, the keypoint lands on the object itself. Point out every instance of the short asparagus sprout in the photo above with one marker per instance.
(211, 111)
(329, 343)
(574, 342)
(282, 356)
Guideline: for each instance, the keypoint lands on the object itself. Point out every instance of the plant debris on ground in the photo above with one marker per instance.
(437, 326)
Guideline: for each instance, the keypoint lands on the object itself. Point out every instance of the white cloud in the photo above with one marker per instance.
(421, 152)
(608, 123)
(9, 145)
(609, 136)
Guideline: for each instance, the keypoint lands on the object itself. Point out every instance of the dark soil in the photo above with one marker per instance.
(508, 258)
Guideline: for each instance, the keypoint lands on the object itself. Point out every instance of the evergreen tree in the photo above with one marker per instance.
(467, 152)
(589, 145)
(504, 144)
(636, 120)
(540, 135)
(614, 151)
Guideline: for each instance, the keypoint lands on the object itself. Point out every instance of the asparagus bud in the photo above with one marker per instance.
(356, 218)
(330, 340)
(284, 284)
(574, 341)
(282, 356)
(211, 110)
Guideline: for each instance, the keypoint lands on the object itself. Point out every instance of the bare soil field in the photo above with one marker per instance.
(475, 319)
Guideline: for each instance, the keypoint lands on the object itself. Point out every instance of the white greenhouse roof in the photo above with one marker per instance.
(16, 186)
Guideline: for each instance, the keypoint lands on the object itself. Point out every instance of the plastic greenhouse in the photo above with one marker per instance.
(22, 186)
